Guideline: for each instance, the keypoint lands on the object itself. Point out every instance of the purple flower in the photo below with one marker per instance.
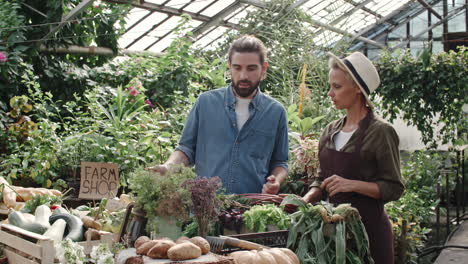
(3, 57)
(148, 102)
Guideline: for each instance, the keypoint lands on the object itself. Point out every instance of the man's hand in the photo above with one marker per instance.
(337, 184)
(161, 169)
(271, 186)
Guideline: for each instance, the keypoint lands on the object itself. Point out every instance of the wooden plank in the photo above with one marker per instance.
(23, 232)
(106, 237)
(48, 251)
(20, 244)
(15, 258)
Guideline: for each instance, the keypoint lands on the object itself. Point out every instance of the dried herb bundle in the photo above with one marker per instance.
(205, 204)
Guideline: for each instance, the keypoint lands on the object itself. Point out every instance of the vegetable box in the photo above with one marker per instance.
(22, 247)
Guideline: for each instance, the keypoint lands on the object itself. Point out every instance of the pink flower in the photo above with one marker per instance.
(3, 57)
(133, 91)
(148, 102)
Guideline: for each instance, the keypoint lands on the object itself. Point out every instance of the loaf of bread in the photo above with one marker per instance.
(201, 243)
(184, 251)
(159, 251)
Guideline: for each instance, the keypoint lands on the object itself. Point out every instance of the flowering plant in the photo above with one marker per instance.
(126, 104)
(3, 57)
(306, 156)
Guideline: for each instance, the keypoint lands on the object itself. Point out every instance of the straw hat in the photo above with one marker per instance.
(362, 71)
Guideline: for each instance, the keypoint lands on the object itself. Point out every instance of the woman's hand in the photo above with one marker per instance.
(337, 184)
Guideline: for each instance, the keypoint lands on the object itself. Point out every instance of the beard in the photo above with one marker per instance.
(246, 92)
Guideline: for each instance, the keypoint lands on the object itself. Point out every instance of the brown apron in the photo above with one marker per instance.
(374, 218)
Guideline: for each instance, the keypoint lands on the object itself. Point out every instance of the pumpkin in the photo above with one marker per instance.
(265, 256)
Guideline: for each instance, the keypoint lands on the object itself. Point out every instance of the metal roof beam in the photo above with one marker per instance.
(167, 10)
(383, 19)
(69, 16)
(363, 8)
(453, 13)
(322, 25)
(345, 15)
(428, 7)
(345, 33)
(216, 19)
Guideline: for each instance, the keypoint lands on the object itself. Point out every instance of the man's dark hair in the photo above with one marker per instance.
(248, 43)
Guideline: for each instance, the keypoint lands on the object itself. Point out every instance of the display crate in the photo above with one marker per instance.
(21, 246)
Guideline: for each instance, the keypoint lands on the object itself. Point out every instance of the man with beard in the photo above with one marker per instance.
(237, 132)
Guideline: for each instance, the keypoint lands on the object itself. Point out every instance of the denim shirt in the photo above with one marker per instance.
(242, 159)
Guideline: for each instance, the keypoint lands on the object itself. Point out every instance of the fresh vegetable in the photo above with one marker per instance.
(266, 256)
(232, 219)
(89, 222)
(38, 200)
(259, 216)
(17, 219)
(324, 234)
(75, 226)
(56, 231)
(42, 215)
(26, 194)
(8, 193)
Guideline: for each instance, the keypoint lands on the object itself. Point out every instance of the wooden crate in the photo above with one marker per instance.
(22, 247)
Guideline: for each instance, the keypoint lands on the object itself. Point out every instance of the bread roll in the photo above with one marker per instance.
(201, 243)
(159, 251)
(184, 251)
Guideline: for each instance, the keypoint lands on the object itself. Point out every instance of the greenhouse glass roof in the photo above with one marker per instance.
(151, 23)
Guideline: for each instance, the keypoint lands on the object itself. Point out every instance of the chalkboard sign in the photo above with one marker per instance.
(98, 180)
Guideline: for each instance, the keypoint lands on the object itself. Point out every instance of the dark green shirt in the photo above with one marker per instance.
(379, 154)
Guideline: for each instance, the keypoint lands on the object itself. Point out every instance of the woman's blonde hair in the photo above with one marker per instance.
(334, 64)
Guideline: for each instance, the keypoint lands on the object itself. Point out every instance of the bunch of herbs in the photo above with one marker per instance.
(161, 195)
(205, 204)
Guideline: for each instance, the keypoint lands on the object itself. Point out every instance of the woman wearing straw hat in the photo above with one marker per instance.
(359, 156)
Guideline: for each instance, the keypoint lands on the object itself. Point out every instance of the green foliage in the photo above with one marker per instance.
(288, 36)
(417, 205)
(258, 217)
(101, 24)
(37, 200)
(434, 95)
(161, 195)
(325, 234)
(11, 33)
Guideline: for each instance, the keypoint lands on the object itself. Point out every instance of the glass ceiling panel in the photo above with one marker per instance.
(141, 28)
(217, 7)
(197, 5)
(211, 38)
(177, 3)
(158, 2)
(336, 13)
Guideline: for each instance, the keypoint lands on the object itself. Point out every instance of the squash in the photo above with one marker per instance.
(9, 195)
(266, 256)
(42, 215)
(17, 219)
(56, 231)
(74, 225)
